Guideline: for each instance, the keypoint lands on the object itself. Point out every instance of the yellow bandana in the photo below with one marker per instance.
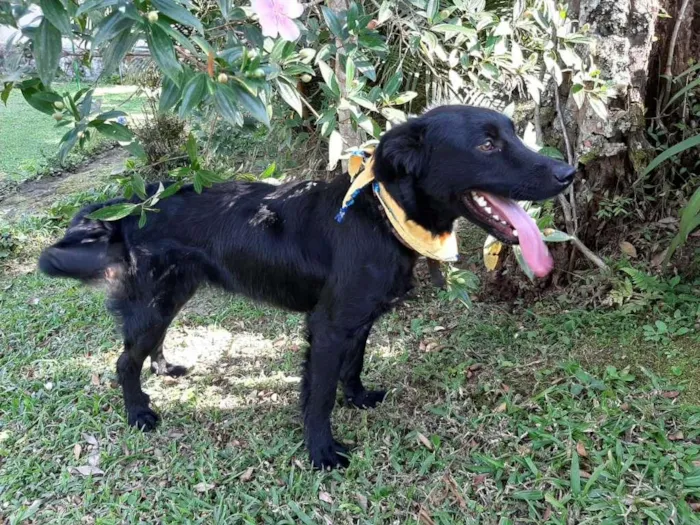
(438, 247)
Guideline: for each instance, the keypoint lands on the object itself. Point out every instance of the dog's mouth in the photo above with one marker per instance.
(506, 220)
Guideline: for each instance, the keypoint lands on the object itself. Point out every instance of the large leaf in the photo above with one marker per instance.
(225, 99)
(117, 49)
(453, 28)
(57, 15)
(193, 93)
(177, 13)
(329, 77)
(251, 103)
(114, 131)
(47, 51)
(90, 5)
(169, 95)
(333, 22)
(163, 52)
(113, 212)
(110, 27)
(691, 142)
(291, 96)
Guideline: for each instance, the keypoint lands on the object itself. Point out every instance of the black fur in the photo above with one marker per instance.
(282, 245)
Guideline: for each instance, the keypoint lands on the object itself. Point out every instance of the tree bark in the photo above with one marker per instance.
(614, 151)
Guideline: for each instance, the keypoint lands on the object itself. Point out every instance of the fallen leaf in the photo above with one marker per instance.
(426, 442)
(87, 470)
(438, 329)
(676, 436)
(547, 514)
(424, 516)
(658, 259)
(505, 388)
(479, 480)
(362, 501)
(95, 380)
(628, 249)
(324, 496)
(454, 489)
(279, 342)
(48, 386)
(695, 506)
(247, 475)
(697, 463)
(624, 407)
(94, 457)
(77, 450)
(671, 395)
(501, 408)
(203, 487)
(90, 439)
(584, 474)
(475, 367)
(581, 449)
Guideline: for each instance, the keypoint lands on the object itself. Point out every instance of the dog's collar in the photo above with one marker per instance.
(409, 233)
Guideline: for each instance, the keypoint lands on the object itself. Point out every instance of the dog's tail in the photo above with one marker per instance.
(87, 250)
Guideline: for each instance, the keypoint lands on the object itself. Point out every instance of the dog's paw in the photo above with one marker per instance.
(329, 456)
(366, 399)
(143, 418)
(166, 369)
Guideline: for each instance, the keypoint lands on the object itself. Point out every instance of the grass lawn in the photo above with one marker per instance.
(547, 414)
(28, 137)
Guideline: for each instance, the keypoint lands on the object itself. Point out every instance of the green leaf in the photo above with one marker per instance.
(598, 106)
(110, 27)
(90, 5)
(198, 182)
(113, 212)
(333, 22)
(405, 97)
(225, 99)
(225, 6)
(191, 148)
(171, 190)
(432, 9)
(110, 115)
(193, 93)
(57, 15)
(291, 96)
(269, 172)
(251, 103)
(142, 219)
(118, 47)
(136, 149)
(177, 13)
(67, 142)
(138, 185)
(86, 104)
(692, 85)
(163, 52)
(210, 177)
(169, 95)
(453, 28)
(691, 142)
(575, 474)
(5, 94)
(47, 51)
(113, 130)
(394, 83)
(329, 77)
(557, 236)
(551, 152)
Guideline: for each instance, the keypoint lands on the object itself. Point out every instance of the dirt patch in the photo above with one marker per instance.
(38, 195)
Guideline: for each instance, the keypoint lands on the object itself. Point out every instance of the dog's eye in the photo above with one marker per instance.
(487, 146)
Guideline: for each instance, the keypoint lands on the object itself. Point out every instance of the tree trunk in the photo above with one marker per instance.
(614, 151)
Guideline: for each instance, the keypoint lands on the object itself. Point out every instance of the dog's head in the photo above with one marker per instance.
(461, 161)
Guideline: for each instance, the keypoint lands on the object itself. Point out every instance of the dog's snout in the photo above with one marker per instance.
(564, 173)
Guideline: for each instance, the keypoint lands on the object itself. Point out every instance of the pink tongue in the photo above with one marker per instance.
(534, 250)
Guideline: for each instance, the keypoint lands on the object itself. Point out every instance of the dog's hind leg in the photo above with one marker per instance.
(147, 305)
(355, 393)
(161, 367)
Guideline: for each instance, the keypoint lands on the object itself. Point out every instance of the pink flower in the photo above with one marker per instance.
(276, 16)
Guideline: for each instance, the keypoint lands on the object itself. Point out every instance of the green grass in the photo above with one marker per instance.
(29, 138)
(545, 415)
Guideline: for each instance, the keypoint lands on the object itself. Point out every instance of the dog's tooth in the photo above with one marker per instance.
(481, 201)
(504, 223)
(495, 216)
(515, 233)
(487, 209)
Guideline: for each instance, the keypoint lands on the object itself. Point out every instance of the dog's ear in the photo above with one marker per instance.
(402, 152)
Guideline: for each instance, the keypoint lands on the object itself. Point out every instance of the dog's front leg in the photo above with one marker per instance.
(327, 347)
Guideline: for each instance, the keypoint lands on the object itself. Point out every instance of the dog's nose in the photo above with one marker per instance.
(564, 173)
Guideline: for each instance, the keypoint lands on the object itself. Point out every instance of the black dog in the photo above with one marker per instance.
(282, 245)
